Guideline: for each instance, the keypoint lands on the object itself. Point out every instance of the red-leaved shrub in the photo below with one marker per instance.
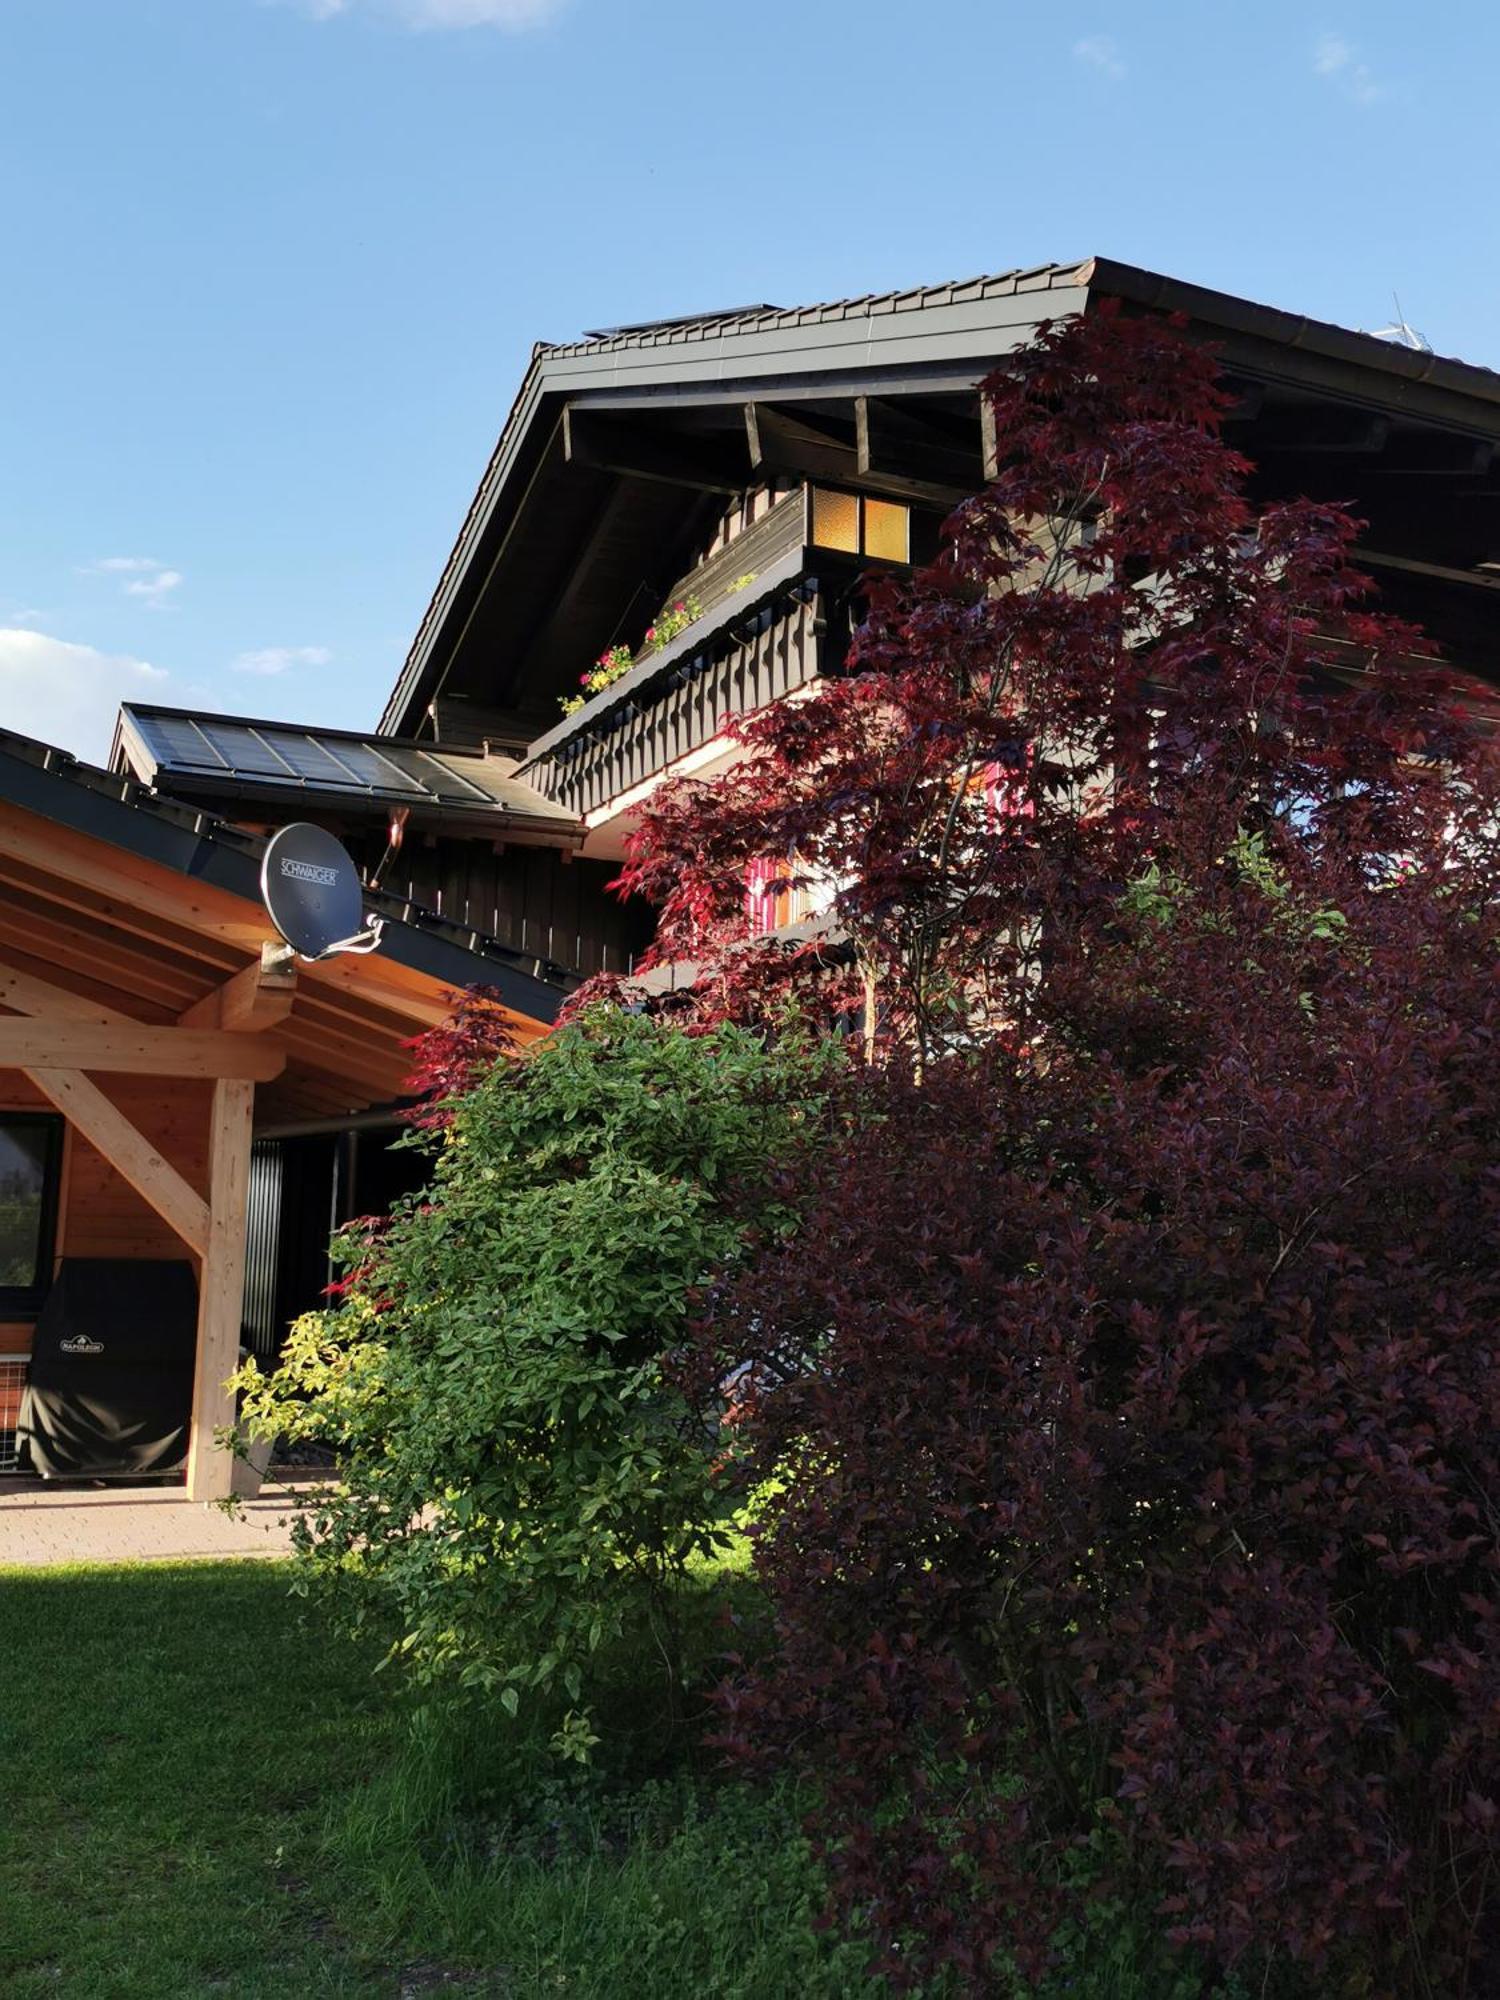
(1127, 1417)
(1142, 1468)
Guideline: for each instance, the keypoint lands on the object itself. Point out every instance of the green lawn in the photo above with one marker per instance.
(207, 1792)
(170, 1737)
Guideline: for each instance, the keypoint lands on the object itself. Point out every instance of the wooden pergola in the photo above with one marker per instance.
(147, 1006)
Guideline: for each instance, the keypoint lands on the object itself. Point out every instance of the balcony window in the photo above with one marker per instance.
(860, 525)
(30, 1167)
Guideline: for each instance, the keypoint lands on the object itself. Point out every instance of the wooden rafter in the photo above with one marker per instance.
(27, 994)
(646, 451)
(896, 441)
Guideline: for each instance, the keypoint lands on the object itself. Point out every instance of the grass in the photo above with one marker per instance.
(207, 1792)
(170, 1737)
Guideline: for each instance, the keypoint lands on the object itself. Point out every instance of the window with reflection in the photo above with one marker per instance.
(861, 525)
(30, 1167)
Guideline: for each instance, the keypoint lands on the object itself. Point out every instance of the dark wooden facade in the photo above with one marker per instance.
(545, 902)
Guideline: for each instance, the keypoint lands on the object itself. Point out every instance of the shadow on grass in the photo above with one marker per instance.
(211, 1792)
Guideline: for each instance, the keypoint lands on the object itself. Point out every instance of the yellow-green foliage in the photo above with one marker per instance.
(517, 1458)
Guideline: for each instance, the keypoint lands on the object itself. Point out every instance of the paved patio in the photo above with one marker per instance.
(94, 1522)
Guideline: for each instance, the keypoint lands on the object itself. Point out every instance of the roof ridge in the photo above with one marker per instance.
(659, 333)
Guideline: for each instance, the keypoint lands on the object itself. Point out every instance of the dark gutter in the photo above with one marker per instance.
(104, 806)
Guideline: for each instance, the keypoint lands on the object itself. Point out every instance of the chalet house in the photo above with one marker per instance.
(698, 498)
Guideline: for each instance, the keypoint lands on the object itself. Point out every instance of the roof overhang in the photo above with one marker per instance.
(67, 828)
(930, 342)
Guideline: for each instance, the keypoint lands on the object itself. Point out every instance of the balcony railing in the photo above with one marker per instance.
(775, 613)
(758, 646)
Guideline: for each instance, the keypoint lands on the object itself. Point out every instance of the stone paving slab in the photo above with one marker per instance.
(96, 1521)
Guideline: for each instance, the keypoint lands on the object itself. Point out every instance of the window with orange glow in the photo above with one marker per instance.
(860, 525)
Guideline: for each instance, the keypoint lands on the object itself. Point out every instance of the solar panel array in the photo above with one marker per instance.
(264, 754)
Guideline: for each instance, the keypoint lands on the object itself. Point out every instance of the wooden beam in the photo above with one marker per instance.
(989, 442)
(894, 441)
(27, 994)
(133, 1049)
(1443, 572)
(781, 442)
(1437, 455)
(259, 997)
(648, 450)
(221, 1290)
(128, 1151)
(1354, 431)
(53, 945)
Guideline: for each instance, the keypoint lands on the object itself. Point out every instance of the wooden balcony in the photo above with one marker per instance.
(751, 646)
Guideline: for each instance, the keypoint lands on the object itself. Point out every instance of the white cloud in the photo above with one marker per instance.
(148, 581)
(154, 590)
(67, 694)
(277, 659)
(1100, 52)
(510, 14)
(1337, 60)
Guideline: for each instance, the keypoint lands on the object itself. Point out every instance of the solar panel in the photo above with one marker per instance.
(176, 740)
(281, 757)
(245, 750)
(370, 768)
(308, 757)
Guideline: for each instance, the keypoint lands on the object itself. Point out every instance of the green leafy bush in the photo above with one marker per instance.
(518, 1465)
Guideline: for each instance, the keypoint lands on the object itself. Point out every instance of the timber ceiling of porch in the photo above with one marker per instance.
(147, 943)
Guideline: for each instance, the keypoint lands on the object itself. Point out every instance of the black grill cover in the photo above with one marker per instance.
(111, 1383)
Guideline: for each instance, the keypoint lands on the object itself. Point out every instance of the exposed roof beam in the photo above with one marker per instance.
(895, 442)
(1474, 579)
(29, 995)
(818, 447)
(605, 443)
(1320, 430)
(1447, 454)
(259, 997)
(131, 1048)
(781, 442)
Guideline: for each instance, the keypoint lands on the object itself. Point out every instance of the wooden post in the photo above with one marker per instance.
(221, 1288)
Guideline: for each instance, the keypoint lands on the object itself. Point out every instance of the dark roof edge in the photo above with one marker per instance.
(105, 806)
(304, 728)
(408, 681)
(1289, 329)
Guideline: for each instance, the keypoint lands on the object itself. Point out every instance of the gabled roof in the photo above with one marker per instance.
(283, 764)
(928, 339)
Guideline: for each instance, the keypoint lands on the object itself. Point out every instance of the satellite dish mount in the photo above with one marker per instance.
(312, 893)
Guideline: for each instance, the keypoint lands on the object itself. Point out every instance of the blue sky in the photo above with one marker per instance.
(275, 266)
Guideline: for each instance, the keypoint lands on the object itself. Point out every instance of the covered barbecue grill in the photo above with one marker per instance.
(111, 1385)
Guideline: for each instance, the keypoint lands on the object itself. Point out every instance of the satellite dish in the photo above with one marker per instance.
(311, 890)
